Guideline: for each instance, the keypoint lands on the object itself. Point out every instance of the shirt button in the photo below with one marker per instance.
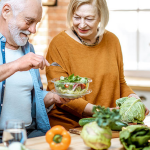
(3, 50)
(4, 85)
(1, 104)
(3, 39)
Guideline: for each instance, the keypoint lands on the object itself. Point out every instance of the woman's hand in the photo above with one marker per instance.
(114, 108)
(134, 95)
(146, 111)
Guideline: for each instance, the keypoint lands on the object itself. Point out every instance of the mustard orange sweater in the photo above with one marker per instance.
(102, 63)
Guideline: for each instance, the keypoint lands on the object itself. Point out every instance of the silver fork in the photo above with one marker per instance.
(55, 64)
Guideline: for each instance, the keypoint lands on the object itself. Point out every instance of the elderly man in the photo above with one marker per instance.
(21, 94)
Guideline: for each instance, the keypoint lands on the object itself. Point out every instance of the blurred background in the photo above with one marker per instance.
(129, 20)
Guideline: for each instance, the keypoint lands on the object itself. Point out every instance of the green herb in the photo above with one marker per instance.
(104, 116)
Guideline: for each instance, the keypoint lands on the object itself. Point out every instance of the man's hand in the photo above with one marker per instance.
(51, 98)
(60, 100)
(24, 63)
(29, 61)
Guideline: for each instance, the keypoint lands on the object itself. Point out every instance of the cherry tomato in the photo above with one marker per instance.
(66, 85)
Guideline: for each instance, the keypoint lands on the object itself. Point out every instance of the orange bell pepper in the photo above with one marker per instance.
(58, 138)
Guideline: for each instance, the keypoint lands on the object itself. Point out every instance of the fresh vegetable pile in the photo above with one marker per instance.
(135, 137)
(72, 85)
(97, 134)
(114, 119)
(131, 109)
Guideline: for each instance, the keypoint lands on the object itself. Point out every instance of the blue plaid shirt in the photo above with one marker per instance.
(38, 107)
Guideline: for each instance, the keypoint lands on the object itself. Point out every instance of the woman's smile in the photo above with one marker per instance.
(83, 31)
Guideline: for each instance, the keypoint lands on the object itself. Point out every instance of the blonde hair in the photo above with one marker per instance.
(102, 9)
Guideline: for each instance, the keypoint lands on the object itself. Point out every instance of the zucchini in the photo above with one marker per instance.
(117, 126)
(84, 121)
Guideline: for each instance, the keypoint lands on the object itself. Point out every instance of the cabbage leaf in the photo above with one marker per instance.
(131, 109)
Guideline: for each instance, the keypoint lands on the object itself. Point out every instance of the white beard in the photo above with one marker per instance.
(15, 33)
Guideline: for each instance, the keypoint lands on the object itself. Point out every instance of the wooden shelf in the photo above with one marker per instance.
(53, 3)
(140, 88)
(140, 84)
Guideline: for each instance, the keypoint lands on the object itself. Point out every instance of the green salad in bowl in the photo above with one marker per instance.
(72, 86)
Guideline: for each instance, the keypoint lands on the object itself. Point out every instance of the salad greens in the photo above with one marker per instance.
(131, 109)
(135, 137)
(72, 85)
(73, 78)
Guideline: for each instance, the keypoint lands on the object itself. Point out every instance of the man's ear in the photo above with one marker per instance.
(7, 11)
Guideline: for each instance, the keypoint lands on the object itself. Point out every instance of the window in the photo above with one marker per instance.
(130, 21)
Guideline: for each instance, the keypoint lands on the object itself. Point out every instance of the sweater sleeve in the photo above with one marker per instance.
(125, 90)
(55, 54)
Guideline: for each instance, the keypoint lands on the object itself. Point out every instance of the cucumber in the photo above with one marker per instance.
(84, 121)
(117, 126)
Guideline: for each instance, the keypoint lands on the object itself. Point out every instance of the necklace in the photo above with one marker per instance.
(85, 43)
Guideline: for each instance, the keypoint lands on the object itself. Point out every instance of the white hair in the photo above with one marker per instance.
(16, 5)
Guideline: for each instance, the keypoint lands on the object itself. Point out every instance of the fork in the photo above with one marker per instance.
(55, 64)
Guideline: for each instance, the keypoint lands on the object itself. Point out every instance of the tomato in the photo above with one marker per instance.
(66, 85)
(83, 86)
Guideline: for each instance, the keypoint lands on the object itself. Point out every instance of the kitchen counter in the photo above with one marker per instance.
(77, 143)
(39, 143)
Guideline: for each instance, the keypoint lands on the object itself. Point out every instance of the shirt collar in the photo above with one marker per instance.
(26, 48)
(2, 38)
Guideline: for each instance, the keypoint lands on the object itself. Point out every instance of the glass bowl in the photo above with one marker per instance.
(71, 90)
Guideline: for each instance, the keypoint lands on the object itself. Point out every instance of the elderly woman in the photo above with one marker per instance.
(88, 50)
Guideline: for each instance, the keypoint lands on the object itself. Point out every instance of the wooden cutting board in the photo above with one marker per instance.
(115, 134)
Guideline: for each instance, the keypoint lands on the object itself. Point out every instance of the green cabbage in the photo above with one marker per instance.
(95, 136)
(131, 109)
(135, 137)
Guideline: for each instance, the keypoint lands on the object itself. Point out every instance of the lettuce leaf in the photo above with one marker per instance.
(135, 137)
